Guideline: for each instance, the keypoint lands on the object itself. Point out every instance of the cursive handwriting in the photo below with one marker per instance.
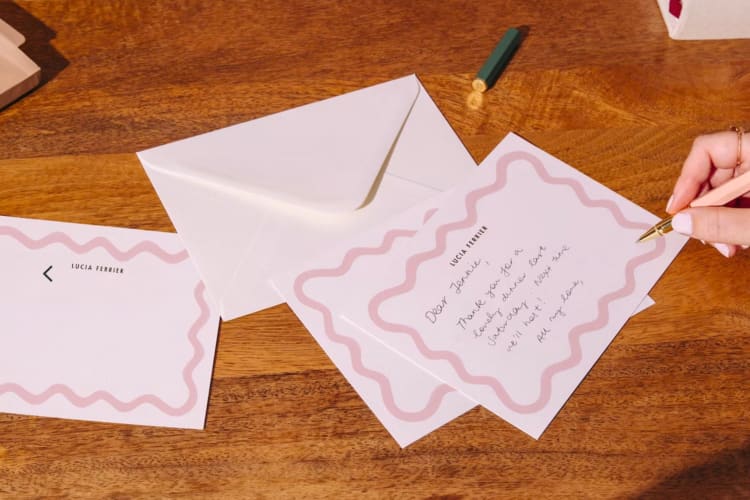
(433, 313)
(535, 259)
(462, 321)
(511, 304)
(459, 283)
(489, 318)
(568, 292)
(508, 293)
(565, 249)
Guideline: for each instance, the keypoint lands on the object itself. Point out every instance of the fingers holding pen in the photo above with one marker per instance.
(728, 228)
(715, 174)
(712, 161)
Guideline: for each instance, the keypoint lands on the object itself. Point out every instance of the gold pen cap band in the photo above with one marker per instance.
(660, 229)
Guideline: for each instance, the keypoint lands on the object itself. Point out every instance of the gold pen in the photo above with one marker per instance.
(659, 229)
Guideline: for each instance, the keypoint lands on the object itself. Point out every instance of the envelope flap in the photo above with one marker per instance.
(325, 155)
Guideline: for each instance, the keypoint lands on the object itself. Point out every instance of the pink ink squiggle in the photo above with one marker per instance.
(98, 242)
(126, 406)
(472, 199)
(355, 350)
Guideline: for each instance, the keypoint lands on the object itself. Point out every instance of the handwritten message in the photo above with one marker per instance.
(505, 293)
(512, 300)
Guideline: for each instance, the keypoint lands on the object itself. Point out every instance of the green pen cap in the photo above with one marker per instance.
(494, 65)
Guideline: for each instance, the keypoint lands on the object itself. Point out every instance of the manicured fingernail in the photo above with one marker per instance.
(669, 203)
(745, 247)
(703, 241)
(683, 223)
(722, 248)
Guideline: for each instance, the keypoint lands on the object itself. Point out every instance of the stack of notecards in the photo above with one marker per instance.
(502, 292)
(437, 285)
(103, 323)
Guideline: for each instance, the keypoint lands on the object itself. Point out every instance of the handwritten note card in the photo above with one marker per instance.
(409, 401)
(504, 291)
(516, 285)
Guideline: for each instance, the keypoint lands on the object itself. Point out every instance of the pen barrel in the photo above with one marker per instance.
(730, 190)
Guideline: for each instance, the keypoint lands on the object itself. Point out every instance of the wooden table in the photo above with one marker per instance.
(665, 411)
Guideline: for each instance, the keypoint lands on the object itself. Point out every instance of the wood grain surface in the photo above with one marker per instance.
(665, 413)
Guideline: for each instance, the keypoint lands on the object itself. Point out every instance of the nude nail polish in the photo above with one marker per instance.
(683, 223)
(722, 248)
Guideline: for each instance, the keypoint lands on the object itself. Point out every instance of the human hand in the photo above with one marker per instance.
(713, 160)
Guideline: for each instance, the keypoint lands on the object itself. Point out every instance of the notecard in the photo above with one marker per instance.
(408, 400)
(103, 323)
(517, 284)
(508, 293)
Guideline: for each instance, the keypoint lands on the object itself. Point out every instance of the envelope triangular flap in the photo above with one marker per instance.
(326, 155)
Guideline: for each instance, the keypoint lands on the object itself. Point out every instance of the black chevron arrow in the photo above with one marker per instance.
(45, 273)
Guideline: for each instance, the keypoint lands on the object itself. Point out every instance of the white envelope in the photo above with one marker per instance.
(253, 199)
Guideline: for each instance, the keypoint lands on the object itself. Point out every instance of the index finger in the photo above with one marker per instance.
(717, 151)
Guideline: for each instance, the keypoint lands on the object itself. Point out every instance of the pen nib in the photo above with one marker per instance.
(660, 229)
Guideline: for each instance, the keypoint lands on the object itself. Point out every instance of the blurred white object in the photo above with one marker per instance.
(706, 19)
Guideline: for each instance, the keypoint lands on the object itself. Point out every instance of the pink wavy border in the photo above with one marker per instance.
(119, 405)
(99, 242)
(472, 198)
(355, 350)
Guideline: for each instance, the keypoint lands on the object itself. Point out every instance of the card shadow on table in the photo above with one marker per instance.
(726, 475)
(38, 44)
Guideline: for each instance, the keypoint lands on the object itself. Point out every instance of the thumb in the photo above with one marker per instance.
(715, 224)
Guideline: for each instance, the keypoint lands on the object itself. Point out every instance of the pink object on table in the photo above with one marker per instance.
(18, 73)
(675, 7)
